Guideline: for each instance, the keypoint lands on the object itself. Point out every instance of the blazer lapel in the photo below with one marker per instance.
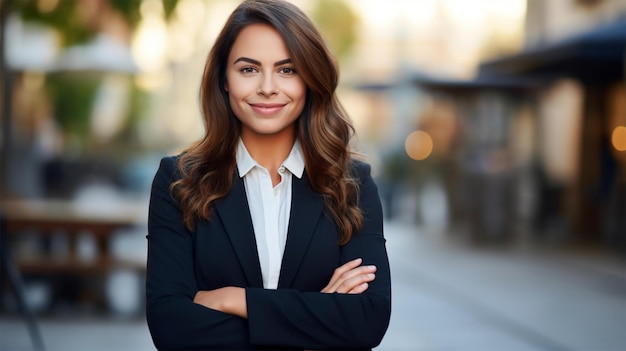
(235, 215)
(306, 208)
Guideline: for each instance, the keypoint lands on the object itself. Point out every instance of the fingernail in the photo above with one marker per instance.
(371, 276)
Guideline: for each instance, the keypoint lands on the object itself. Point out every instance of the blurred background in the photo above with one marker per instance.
(496, 130)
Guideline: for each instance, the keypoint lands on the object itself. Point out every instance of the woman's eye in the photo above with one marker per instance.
(287, 70)
(248, 70)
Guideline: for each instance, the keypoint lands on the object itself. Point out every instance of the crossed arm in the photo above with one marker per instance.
(350, 278)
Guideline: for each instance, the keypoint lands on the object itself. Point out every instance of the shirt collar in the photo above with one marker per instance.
(294, 161)
(245, 162)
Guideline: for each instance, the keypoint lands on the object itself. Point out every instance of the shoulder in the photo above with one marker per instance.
(368, 198)
(168, 169)
(360, 169)
(170, 162)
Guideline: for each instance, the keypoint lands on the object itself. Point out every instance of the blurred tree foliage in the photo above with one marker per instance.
(64, 16)
(72, 96)
(337, 22)
(73, 93)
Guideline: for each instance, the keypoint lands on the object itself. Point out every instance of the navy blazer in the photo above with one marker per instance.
(222, 252)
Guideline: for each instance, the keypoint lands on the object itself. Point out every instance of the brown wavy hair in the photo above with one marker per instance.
(207, 167)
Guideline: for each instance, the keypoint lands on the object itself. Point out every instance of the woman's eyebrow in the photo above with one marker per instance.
(247, 59)
(282, 62)
(255, 62)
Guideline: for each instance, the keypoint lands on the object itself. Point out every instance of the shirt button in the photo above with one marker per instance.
(281, 169)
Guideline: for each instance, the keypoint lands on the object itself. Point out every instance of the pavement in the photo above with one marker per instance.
(448, 295)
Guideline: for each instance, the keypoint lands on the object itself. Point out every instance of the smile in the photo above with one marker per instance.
(267, 109)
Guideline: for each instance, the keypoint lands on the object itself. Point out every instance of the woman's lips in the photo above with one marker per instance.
(267, 109)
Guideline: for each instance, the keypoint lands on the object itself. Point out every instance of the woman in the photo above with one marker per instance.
(266, 234)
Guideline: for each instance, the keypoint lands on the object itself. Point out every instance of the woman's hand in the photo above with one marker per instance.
(351, 278)
(230, 299)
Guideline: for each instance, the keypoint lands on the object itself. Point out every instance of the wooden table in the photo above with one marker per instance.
(47, 218)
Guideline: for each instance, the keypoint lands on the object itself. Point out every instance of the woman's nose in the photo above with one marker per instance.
(267, 86)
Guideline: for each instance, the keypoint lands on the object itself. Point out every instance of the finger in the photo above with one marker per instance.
(346, 267)
(341, 279)
(352, 283)
(359, 289)
(349, 279)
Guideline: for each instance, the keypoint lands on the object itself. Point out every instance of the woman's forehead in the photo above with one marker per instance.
(259, 42)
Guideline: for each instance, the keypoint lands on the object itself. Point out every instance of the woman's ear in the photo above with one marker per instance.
(226, 86)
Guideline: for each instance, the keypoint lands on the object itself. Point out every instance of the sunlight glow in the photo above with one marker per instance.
(477, 10)
(445, 36)
(419, 145)
(465, 11)
(188, 19)
(149, 45)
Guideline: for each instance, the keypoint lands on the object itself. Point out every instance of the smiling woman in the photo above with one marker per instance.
(265, 92)
(266, 234)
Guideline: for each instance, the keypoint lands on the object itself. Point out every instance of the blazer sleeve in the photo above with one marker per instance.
(174, 320)
(315, 320)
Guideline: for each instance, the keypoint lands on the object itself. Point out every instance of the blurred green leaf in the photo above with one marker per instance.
(64, 17)
(73, 97)
(337, 22)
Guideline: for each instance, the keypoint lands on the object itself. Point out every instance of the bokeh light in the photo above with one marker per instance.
(149, 44)
(618, 138)
(419, 145)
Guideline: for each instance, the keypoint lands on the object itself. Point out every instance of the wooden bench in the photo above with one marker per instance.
(45, 219)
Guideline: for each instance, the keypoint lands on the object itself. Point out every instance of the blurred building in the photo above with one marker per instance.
(575, 55)
(532, 147)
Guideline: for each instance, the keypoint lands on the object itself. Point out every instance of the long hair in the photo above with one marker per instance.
(207, 167)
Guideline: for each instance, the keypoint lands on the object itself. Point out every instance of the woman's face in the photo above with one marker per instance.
(266, 93)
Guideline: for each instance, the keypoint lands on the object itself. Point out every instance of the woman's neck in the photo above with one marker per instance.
(269, 150)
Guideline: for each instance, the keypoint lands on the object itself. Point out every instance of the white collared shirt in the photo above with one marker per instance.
(269, 207)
